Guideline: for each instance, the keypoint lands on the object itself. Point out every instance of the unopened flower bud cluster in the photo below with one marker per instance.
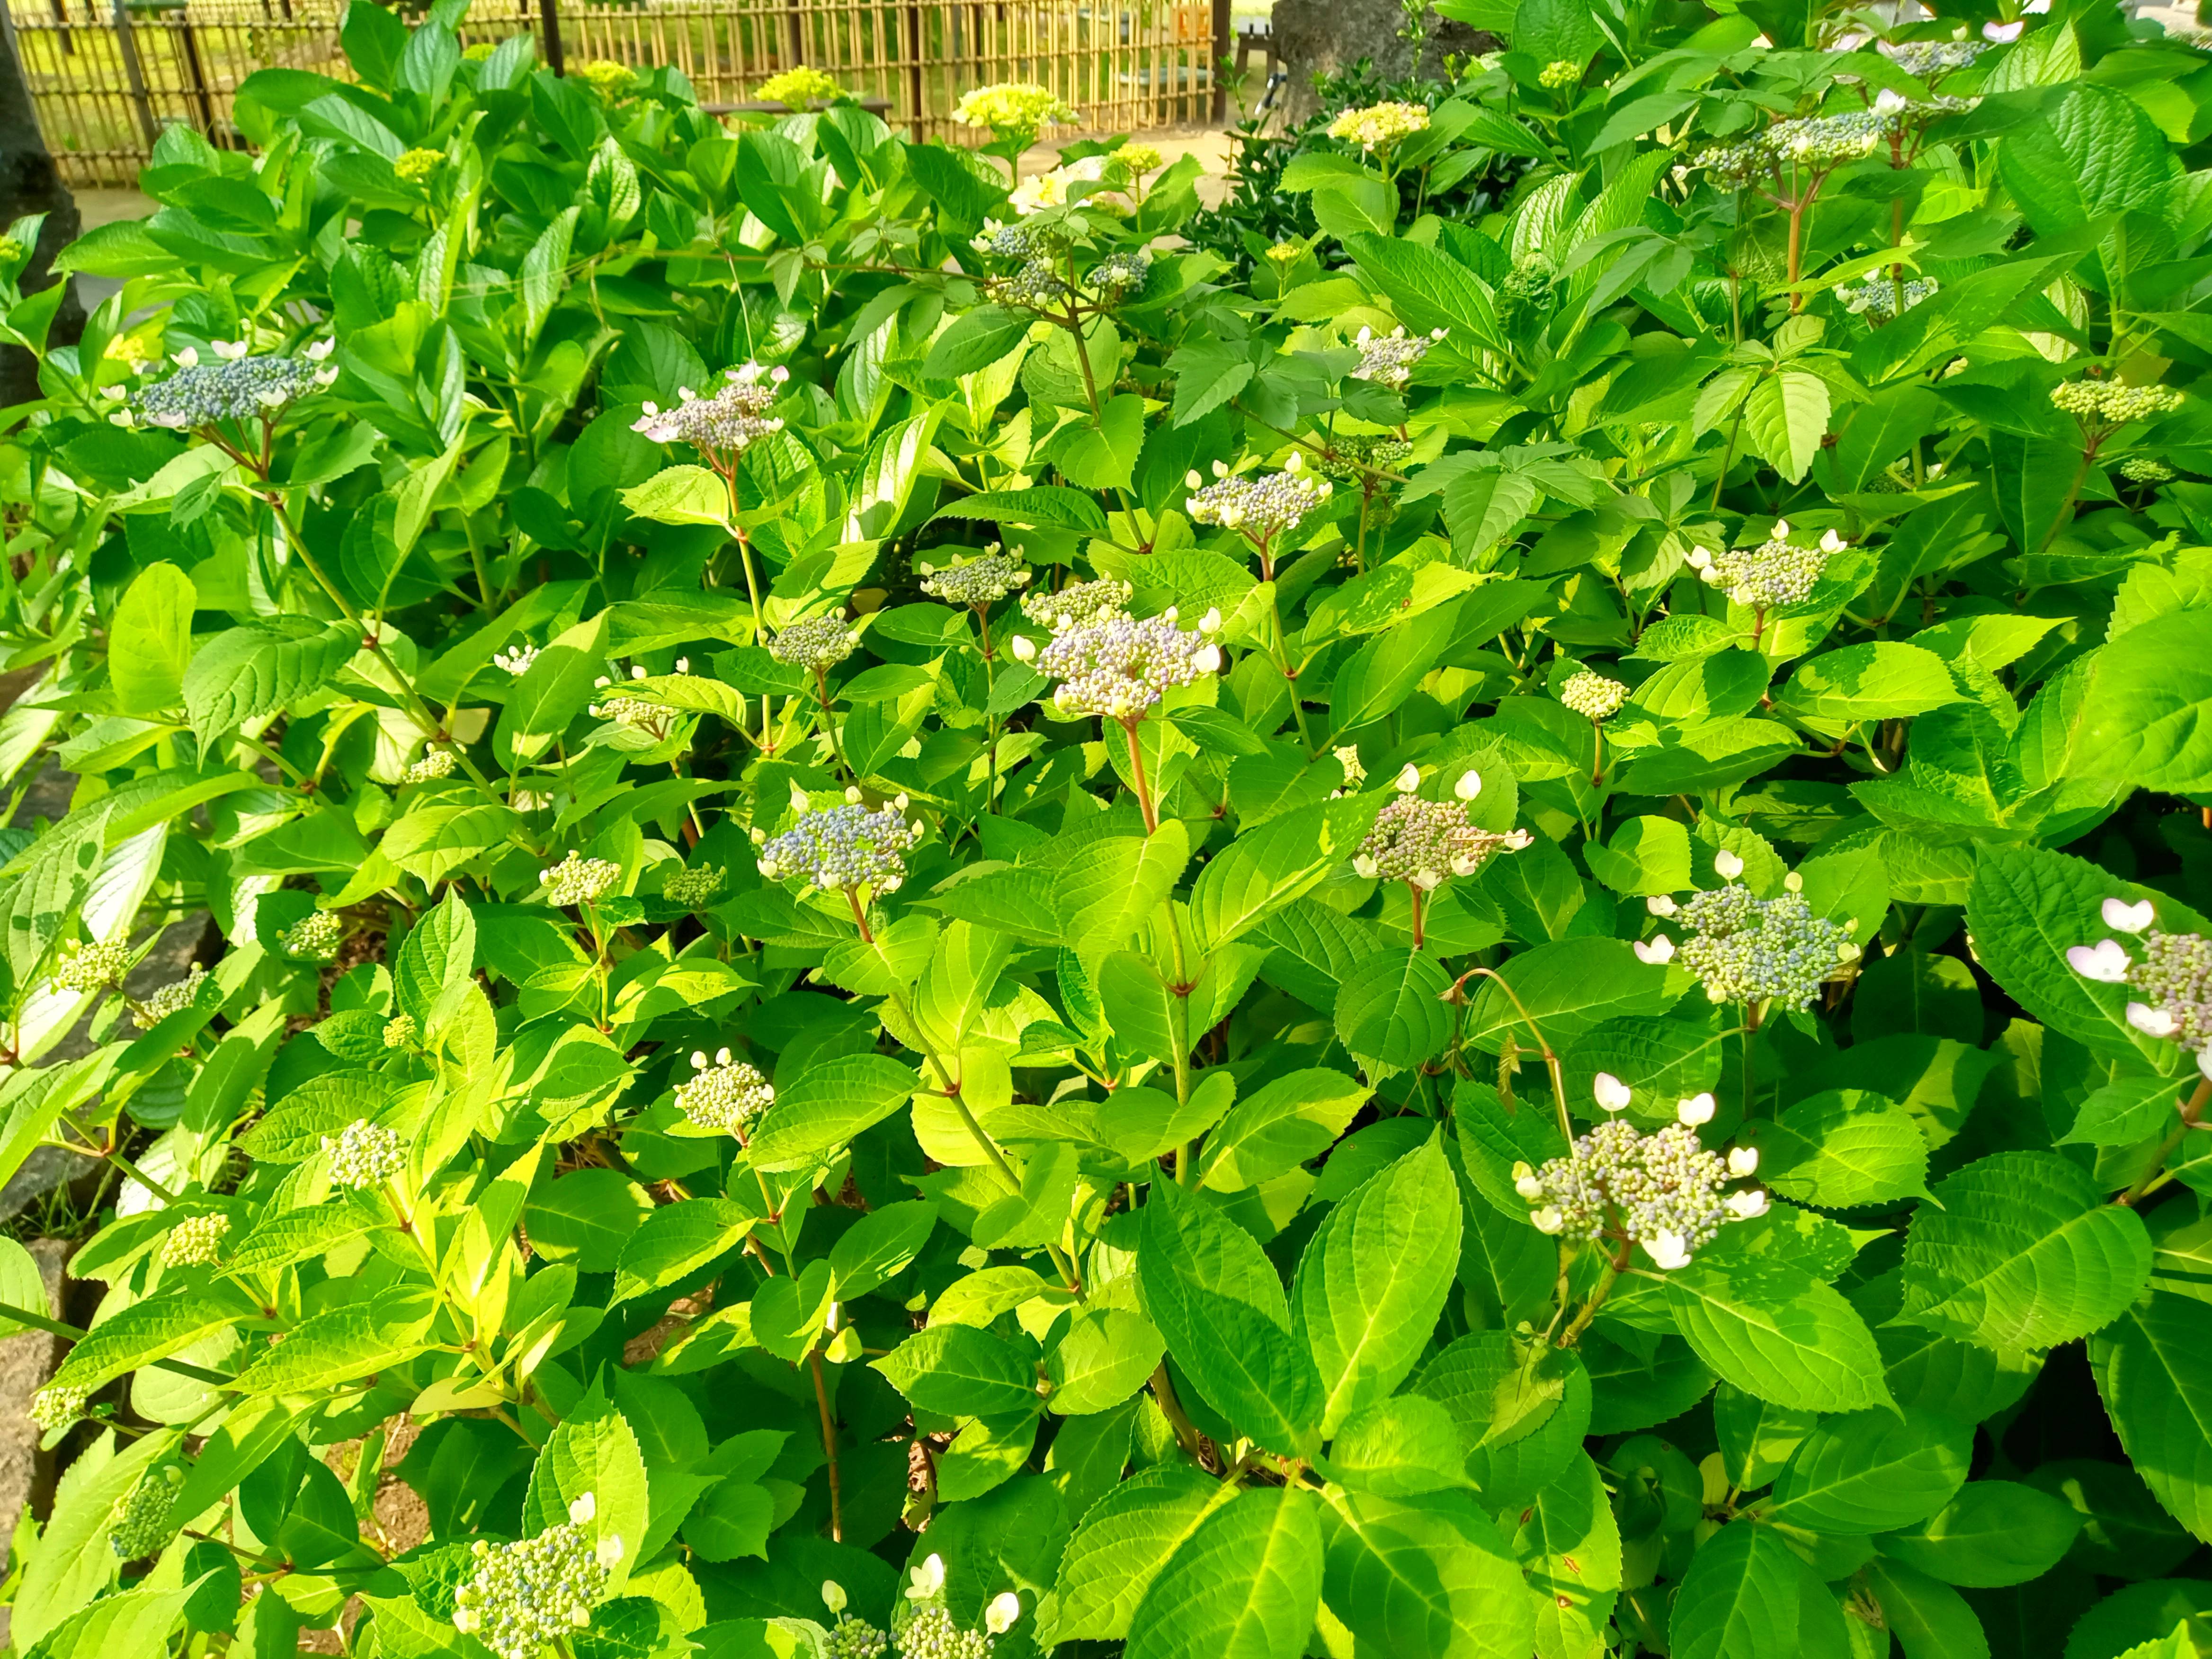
(1078, 605)
(723, 426)
(2109, 403)
(1664, 1190)
(365, 1155)
(139, 1525)
(1353, 455)
(726, 1095)
(842, 848)
(172, 998)
(1037, 285)
(1593, 696)
(817, 644)
(579, 880)
(1424, 842)
(56, 1405)
(1389, 359)
(415, 166)
(92, 967)
(1379, 126)
(978, 581)
(400, 1031)
(1118, 667)
(315, 938)
(436, 763)
(516, 660)
(2174, 977)
(1558, 75)
(1927, 60)
(2146, 469)
(1752, 950)
(695, 887)
(1120, 273)
(531, 1593)
(1019, 240)
(1777, 572)
(650, 717)
(1264, 506)
(195, 1241)
(1013, 106)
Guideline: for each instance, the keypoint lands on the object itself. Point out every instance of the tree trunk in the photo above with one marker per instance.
(30, 183)
(1325, 36)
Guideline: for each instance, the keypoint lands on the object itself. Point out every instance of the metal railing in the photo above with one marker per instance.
(106, 76)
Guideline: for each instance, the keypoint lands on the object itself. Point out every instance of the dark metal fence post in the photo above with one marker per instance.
(1224, 44)
(134, 72)
(914, 72)
(549, 19)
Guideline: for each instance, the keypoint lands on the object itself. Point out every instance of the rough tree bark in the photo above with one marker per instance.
(1324, 36)
(30, 183)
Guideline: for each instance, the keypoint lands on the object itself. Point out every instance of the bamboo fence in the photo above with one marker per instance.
(106, 76)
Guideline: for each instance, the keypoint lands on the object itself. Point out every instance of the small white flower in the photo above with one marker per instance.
(1748, 1205)
(1832, 542)
(1525, 1182)
(833, 1595)
(1206, 658)
(1365, 867)
(318, 349)
(1666, 1251)
(1727, 864)
(610, 1551)
(2003, 35)
(1409, 779)
(2152, 1022)
(1547, 1220)
(1660, 905)
(1006, 1609)
(2105, 962)
(1743, 1160)
(2204, 1063)
(1469, 785)
(229, 350)
(1024, 647)
(1697, 1109)
(188, 358)
(1699, 558)
(583, 1510)
(928, 1580)
(1610, 1092)
(2126, 918)
(1658, 952)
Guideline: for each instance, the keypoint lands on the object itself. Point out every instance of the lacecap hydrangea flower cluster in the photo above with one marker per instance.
(1929, 60)
(1422, 843)
(1750, 950)
(315, 937)
(799, 86)
(851, 1638)
(726, 1095)
(1389, 360)
(1118, 667)
(1078, 605)
(239, 386)
(840, 848)
(2172, 981)
(927, 1630)
(1264, 505)
(92, 966)
(1663, 1192)
(1777, 572)
(173, 998)
(724, 426)
(2109, 403)
(531, 1593)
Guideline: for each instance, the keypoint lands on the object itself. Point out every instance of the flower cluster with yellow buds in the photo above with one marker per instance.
(414, 166)
(1558, 75)
(1078, 605)
(172, 998)
(817, 644)
(606, 77)
(315, 938)
(195, 1241)
(365, 1155)
(1020, 106)
(695, 887)
(1389, 359)
(579, 880)
(799, 87)
(2106, 404)
(92, 966)
(978, 581)
(1593, 696)
(1380, 126)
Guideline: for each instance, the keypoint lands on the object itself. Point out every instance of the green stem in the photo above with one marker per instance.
(8, 1311)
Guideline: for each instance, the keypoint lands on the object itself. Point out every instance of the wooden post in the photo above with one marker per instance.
(913, 69)
(795, 26)
(134, 72)
(549, 23)
(196, 77)
(1223, 43)
(30, 183)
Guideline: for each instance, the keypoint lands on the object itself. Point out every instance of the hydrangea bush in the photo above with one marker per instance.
(802, 899)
